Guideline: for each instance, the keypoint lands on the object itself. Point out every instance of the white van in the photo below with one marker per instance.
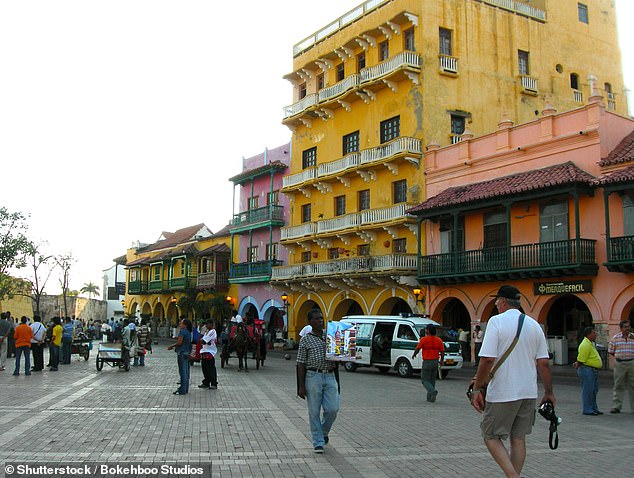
(386, 342)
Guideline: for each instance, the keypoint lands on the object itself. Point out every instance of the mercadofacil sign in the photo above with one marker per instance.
(568, 287)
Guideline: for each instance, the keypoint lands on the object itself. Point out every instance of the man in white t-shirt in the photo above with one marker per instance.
(208, 357)
(512, 392)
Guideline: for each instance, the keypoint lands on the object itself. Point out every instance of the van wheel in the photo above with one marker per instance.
(383, 369)
(403, 368)
(350, 366)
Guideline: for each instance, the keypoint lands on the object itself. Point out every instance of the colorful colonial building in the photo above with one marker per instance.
(255, 236)
(183, 274)
(546, 206)
(380, 82)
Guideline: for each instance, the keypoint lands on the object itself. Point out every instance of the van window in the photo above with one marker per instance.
(405, 332)
(441, 332)
(364, 331)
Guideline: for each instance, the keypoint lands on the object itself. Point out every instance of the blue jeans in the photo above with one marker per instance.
(183, 371)
(139, 360)
(54, 350)
(66, 348)
(589, 388)
(321, 392)
(428, 375)
(26, 351)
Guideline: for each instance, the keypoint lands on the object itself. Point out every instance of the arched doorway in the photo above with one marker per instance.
(300, 317)
(455, 315)
(567, 317)
(249, 313)
(395, 306)
(346, 307)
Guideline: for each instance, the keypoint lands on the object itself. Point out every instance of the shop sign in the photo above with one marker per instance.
(567, 287)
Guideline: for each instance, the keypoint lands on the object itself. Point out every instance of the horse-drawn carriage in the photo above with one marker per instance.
(244, 340)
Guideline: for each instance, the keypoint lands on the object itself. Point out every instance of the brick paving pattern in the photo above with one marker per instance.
(254, 425)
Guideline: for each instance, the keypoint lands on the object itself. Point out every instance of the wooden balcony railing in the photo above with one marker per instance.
(212, 279)
(621, 254)
(260, 269)
(546, 259)
(272, 212)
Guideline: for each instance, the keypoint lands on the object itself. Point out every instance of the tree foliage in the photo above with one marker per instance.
(14, 247)
(42, 267)
(90, 289)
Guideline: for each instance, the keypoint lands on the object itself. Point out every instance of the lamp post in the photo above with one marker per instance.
(285, 306)
(420, 295)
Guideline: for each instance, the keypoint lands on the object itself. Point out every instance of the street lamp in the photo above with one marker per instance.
(284, 298)
(419, 294)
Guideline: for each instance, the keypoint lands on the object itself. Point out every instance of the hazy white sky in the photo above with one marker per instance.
(122, 119)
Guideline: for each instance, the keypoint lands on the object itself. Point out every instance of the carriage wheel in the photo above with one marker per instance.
(87, 354)
(99, 364)
(257, 357)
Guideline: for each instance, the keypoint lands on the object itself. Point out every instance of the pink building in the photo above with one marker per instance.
(546, 206)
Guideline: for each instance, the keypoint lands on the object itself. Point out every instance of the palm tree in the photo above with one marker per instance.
(90, 289)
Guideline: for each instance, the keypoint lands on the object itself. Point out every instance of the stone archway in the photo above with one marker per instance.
(394, 306)
(346, 307)
(455, 315)
(567, 316)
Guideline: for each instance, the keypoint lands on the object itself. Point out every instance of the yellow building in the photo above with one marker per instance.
(19, 305)
(375, 87)
(183, 274)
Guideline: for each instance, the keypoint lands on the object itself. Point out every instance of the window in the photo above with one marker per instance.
(302, 91)
(341, 71)
(363, 200)
(384, 50)
(360, 62)
(273, 197)
(333, 253)
(306, 256)
(399, 191)
(447, 234)
(306, 213)
(574, 81)
(363, 250)
(309, 158)
(340, 205)
(495, 229)
(252, 254)
(156, 272)
(457, 124)
(522, 62)
(444, 38)
(390, 129)
(272, 251)
(320, 81)
(253, 202)
(408, 39)
(399, 246)
(553, 222)
(205, 265)
(582, 11)
(405, 332)
(181, 268)
(134, 275)
(351, 143)
(628, 214)
(608, 91)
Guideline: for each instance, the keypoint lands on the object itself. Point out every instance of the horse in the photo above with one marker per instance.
(239, 341)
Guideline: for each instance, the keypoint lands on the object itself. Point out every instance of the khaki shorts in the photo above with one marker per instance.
(502, 419)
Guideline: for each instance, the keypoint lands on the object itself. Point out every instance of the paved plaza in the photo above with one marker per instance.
(254, 425)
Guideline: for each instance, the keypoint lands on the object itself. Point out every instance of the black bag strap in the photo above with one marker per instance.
(520, 323)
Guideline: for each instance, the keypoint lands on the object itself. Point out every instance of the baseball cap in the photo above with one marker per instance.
(508, 292)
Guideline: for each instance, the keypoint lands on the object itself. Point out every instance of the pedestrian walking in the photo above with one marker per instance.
(478, 337)
(621, 347)
(67, 341)
(208, 353)
(5, 327)
(433, 350)
(10, 338)
(518, 344)
(183, 347)
(588, 365)
(463, 339)
(317, 381)
(143, 343)
(23, 335)
(37, 343)
(56, 342)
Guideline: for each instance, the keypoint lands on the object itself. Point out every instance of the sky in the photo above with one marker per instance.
(123, 119)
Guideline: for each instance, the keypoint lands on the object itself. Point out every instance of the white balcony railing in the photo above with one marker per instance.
(404, 59)
(403, 144)
(385, 214)
(448, 63)
(578, 96)
(519, 7)
(611, 101)
(529, 83)
(347, 162)
(347, 266)
(339, 88)
(301, 105)
(455, 138)
(298, 178)
(293, 232)
(338, 223)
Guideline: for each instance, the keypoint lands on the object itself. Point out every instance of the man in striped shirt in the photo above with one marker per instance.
(621, 347)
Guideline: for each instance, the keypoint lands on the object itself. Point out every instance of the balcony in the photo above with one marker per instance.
(137, 287)
(578, 96)
(448, 64)
(621, 254)
(344, 164)
(386, 214)
(166, 285)
(406, 64)
(213, 280)
(529, 84)
(296, 179)
(246, 272)
(271, 215)
(611, 101)
(398, 147)
(520, 8)
(339, 223)
(349, 266)
(547, 259)
(296, 232)
(339, 89)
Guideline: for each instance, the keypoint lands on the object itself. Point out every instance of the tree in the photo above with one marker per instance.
(43, 266)
(89, 289)
(14, 246)
(65, 262)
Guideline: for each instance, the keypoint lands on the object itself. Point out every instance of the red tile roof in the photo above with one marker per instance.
(174, 238)
(216, 248)
(259, 171)
(538, 179)
(623, 153)
(621, 176)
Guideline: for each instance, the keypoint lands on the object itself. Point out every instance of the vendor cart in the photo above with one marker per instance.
(81, 346)
(115, 355)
